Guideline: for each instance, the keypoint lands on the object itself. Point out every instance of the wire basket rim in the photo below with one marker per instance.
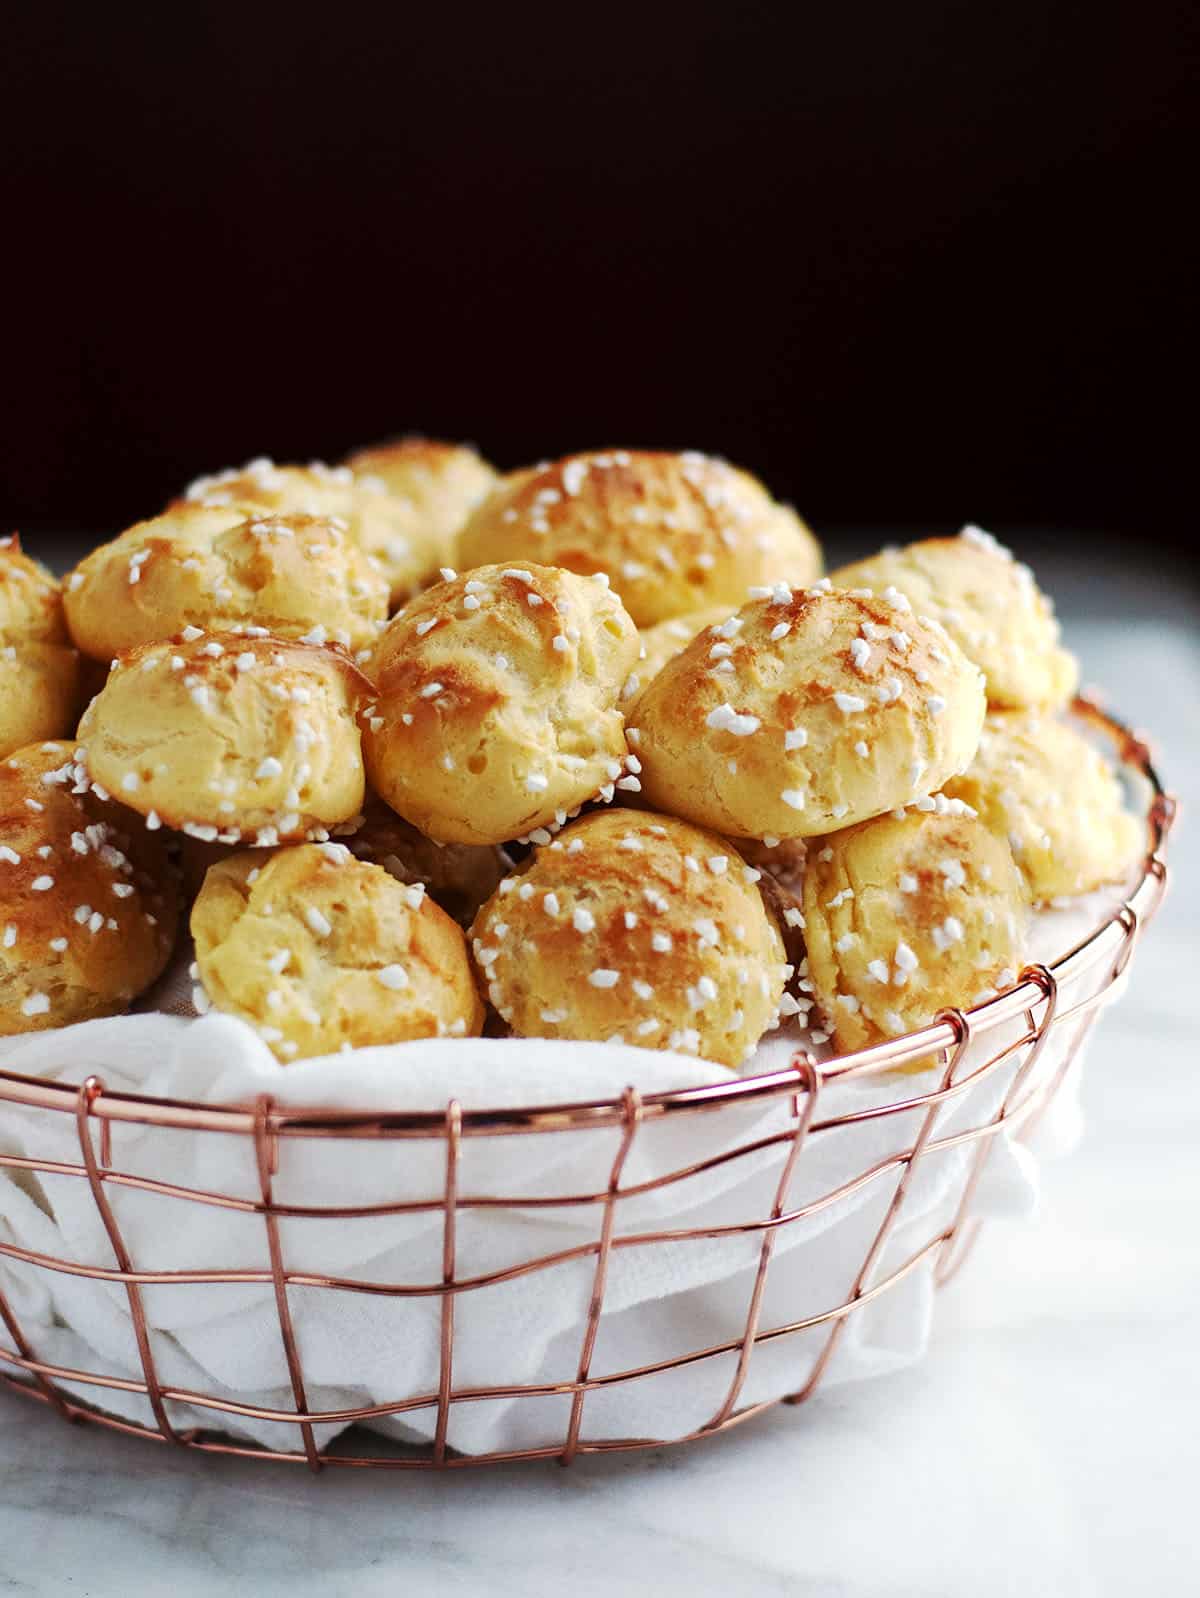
(575, 1115)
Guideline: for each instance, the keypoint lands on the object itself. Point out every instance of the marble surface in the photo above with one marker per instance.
(1049, 1445)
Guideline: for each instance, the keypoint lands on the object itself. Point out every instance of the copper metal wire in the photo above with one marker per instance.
(1035, 1001)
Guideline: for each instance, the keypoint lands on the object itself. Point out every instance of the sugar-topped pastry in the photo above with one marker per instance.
(88, 908)
(39, 670)
(665, 640)
(30, 597)
(226, 568)
(440, 483)
(1057, 800)
(673, 533)
(458, 876)
(408, 550)
(496, 711)
(634, 928)
(322, 952)
(988, 603)
(229, 738)
(806, 711)
(906, 916)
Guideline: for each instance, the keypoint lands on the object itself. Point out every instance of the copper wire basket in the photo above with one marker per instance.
(1020, 1021)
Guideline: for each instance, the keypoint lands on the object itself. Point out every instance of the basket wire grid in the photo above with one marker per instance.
(1035, 1003)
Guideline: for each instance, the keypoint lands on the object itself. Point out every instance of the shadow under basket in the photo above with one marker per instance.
(1025, 1040)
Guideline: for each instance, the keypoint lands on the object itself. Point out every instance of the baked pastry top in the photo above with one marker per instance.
(634, 928)
(88, 907)
(664, 641)
(1055, 798)
(226, 568)
(440, 483)
(806, 711)
(496, 711)
(39, 692)
(909, 915)
(39, 670)
(673, 533)
(322, 952)
(233, 738)
(30, 597)
(990, 605)
(408, 550)
(861, 783)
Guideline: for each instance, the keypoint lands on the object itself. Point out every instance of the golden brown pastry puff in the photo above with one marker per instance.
(497, 704)
(440, 483)
(1057, 800)
(88, 908)
(634, 928)
(226, 568)
(230, 739)
(408, 551)
(905, 916)
(664, 641)
(39, 670)
(320, 951)
(673, 533)
(988, 603)
(805, 712)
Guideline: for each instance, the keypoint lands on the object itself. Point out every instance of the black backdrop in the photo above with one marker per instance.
(913, 263)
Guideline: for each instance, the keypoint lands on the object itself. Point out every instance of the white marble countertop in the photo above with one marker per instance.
(1049, 1445)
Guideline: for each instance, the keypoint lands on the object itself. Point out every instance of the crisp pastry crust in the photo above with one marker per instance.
(230, 739)
(667, 639)
(39, 670)
(440, 483)
(497, 705)
(674, 533)
(988, 603)
(906, 916)
(39, 692)
(457, 876)
(88, 908)
(320, 952)
(1057, 800)
(30, 598)
(226, 568)
(805, 712)
(634, 928)
(408, 550)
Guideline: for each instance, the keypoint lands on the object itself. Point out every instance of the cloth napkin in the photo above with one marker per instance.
(663, 1297)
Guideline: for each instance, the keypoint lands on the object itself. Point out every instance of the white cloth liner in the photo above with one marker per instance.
(661, 1299)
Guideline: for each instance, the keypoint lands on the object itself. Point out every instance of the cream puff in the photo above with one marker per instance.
(806, 711)
(674, 534)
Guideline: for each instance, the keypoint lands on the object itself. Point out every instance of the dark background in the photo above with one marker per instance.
(912, 263)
